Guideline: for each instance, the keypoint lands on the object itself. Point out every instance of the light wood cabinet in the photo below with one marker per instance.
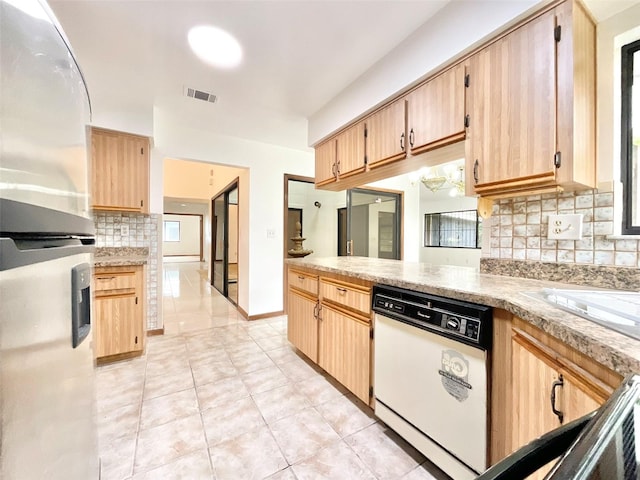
(345, 350)
(531, 105)
(329, 320)
(341, 156)
(528, 366)
(326, 162)
(386, 138)
(118, 312)
(120, 171)
(437, 111)
(302, 325)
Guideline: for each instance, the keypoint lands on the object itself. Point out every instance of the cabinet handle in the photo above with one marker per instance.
(402, 141)
(319, 317)
(105, 278)
(476, 165)
(337, 167)
(556, 384)
(301, 278)
(411, 137)
(341, 291)
(315, 311)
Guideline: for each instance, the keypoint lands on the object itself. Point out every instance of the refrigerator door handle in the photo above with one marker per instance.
(80, 303)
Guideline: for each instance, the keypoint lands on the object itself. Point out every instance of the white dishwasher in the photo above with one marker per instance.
(431, 376)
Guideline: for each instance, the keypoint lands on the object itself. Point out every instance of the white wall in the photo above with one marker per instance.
(453, 30)
(466, 257)
(190, 242)
(319, 225)
(259, 256)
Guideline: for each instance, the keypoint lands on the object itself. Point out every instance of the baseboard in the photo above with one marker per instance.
(154, 332)
(118, 357)
(266, 315)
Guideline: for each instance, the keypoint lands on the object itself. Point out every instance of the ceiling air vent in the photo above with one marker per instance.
(200, 95)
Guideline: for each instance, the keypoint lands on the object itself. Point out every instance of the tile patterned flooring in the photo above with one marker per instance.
(218, 397)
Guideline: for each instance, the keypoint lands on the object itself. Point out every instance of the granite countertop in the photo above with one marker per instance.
(120, 256)
(612, 349)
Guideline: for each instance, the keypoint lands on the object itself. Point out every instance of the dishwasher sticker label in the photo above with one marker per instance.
(455, 373)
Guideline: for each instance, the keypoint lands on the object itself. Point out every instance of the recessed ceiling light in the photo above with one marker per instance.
(214, 46)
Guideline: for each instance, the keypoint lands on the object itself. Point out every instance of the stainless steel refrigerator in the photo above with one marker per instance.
(47, 394)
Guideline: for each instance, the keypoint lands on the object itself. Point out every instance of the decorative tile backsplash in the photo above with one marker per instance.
(116, 229)
(519, 230)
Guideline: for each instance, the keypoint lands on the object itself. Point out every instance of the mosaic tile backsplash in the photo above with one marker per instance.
(116, 229)
(519, 231)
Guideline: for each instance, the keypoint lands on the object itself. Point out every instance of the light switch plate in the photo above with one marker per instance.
(271, 233)
(565, 227)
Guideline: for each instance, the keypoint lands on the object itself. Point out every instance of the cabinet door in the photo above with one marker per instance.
(386, 134)
(350, 151)
(576, 401)
(134, 185)
(117, 325)
(345, 351)
(325, 162)
(302, 325)
(436, 111)
(532, 415)
(512, 109)
(106, 167)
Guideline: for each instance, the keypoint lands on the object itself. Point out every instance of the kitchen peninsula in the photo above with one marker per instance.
(533, 344)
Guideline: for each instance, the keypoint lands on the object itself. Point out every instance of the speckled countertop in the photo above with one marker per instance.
(612, 349)
(120, 256)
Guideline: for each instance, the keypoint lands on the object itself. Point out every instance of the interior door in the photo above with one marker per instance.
(218, 271)
(373, 223)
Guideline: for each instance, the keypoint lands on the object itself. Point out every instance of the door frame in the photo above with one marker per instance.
(374, 190)
(234, 184)
(285, 229)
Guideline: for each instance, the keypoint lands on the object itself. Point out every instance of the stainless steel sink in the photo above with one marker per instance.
(616, 310)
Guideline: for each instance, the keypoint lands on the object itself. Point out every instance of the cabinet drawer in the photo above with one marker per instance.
(304, 281)
(114, 281)
(354, 297)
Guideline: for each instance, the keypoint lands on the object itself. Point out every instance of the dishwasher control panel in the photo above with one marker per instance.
(467, 322)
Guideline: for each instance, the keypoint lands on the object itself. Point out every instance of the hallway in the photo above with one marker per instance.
(218, 397)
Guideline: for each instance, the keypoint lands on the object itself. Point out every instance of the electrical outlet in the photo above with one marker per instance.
(271, 233)
(124, 230)
(565, 227)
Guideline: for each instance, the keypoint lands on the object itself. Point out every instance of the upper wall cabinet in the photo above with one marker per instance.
(531, 106)
(386, 134)
(341, 156)
(437, 111)
(120, 171)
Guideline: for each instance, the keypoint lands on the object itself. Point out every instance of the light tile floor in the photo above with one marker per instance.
(218, 397)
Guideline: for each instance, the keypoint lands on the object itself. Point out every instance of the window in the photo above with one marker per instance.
(171, 231)
(630, 60)
(461, 229)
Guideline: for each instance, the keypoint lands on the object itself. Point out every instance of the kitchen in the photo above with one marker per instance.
(257, 299)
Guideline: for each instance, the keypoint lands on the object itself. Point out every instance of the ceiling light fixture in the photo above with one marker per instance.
(214, 46)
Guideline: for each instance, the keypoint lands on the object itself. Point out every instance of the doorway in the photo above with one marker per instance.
(373, 224)
(224, 244)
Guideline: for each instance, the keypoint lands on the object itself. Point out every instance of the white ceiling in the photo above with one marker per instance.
(297, 56)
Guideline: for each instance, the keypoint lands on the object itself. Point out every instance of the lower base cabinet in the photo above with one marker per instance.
(345, 350)
(329, 320)
(118, 324)
(539, 384)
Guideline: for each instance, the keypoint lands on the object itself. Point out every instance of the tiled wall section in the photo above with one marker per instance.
(519, 230)
(143, 232)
